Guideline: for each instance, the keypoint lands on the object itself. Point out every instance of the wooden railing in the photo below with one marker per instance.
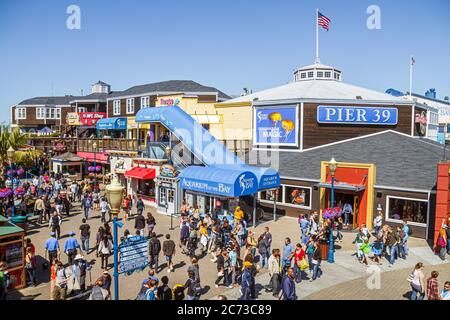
(87, 145)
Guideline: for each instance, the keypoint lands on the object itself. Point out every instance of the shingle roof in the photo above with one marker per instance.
(92, 96)
(101, 83)
(401, 161)
(175, 86)
(64, 100)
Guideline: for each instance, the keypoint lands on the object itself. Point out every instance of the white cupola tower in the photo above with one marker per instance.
(317, 71)
(100, 87)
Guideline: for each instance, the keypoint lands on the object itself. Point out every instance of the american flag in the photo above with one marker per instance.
(323, 21)
(413, 61)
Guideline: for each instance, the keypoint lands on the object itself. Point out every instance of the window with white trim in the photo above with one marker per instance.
(81, 109)
(57, 113)
(289, 195)
(130, 105)
(297, 196)
(40, 113)
(319, 74)
(327, 74)
(400, 209)
(303, 75)
(116, 107)
(21, 113)
(310, 74)
(145, 102)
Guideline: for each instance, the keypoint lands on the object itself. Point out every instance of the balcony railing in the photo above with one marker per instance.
(87, 145)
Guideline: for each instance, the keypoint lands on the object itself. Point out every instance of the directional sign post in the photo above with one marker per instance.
(133, 254)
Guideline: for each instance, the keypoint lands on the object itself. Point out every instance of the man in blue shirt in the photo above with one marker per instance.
(289, 292)
(51, 247)
(287, 253)
(71, 246)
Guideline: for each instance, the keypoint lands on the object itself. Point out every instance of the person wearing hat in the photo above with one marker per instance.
(71, 246)
(248, 281)
(79, 272)
(51, 248)
(238, 216)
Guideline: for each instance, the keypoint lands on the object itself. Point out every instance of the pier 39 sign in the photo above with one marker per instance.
(357, 115)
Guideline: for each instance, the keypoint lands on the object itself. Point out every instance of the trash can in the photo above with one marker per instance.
(324, 249)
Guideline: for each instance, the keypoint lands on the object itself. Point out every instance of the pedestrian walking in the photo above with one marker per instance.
(105, 249)
(70, 247)
(86, 204)
(104, 209)
(51, 248)
(288, 290)
(223, 269)
(164, 292)
(140, 205)
(275, 271)
(441, 244)
(60, 289)
(30, 268)
(154, 248)
(55, 224)
(169, 252)
(193, 287)
(248, 282)
(417, 281)
(85, 234)
(151, 222)
(98, 293)
(139, 223)
(433, 286)
(316, 261)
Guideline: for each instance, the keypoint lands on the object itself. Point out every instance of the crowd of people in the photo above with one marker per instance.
(239, 253)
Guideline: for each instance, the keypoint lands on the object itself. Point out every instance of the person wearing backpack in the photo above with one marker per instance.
(192, 242)
(98, 293)
(154, 248)
(193, 287)
(139, 223)
(104, 208)
(140, 206)
(164, 292)
(55, 224)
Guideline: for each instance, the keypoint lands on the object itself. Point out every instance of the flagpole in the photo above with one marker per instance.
(317, 37)
(410, 76)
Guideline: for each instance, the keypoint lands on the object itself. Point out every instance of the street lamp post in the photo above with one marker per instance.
(114, 193)
(171, 215)
(94, 146)
(332, 165)
(10, 153)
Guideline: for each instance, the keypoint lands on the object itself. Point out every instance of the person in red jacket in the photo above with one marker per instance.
(298, 255)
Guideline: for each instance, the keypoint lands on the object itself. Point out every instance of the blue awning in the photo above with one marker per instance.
(268, 178)
(112, 124)
(219, 181)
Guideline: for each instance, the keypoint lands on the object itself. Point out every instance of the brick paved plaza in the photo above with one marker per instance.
(345, 279)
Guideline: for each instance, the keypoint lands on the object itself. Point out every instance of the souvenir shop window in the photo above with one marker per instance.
(411, 210)
(271, 195)
(298, 196)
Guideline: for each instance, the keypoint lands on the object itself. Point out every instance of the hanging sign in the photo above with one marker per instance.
(133, 254)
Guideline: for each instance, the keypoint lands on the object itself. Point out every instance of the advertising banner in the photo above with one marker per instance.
(276, 126)
(88, 119)
(357, 115)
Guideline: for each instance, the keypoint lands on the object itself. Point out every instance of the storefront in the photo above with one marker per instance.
(168, 191)
(12, 251)
(120, 162)
(141, 179)
(388, 173)
(68, 164)
(208, 188)
(85, 120)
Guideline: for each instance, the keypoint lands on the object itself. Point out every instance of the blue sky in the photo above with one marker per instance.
(227, 44)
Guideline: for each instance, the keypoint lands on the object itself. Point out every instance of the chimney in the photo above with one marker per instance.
(431, 93)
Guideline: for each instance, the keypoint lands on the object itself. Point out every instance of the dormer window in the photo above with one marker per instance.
(303, 75)
(327, 74)
(319, 74)
(310, 74)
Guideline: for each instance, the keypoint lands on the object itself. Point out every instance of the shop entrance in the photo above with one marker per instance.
(350, 202)
(167, 199)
